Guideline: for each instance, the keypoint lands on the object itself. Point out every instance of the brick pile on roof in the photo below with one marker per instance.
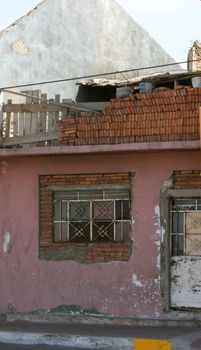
(158, 116)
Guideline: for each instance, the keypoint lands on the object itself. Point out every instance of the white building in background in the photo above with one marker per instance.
(73, 38)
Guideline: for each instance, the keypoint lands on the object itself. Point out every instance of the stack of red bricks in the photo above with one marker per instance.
(161, 115)
(187, 179)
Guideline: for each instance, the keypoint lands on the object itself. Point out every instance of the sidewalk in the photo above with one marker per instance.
(96, 336)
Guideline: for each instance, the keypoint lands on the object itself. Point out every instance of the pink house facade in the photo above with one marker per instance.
(107, 224)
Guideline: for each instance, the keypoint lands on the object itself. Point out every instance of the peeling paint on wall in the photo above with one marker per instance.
(136, 281)
(6, 243)
(160, 232)
(186, 281)
(20, 47)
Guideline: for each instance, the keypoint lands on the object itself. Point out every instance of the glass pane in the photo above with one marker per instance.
(57, 232)
(119, 210)
(64, 236)
(64, 207)
(103, 210)
(123, 210)
(79, 232)
(180, 250)
(57, 210)
(199, 204)
(117, 194)
(119, 231)
(174, 222)
(174, 245)
(180, 222)
(184, 204)
(126, 210)
(103, 231)
(66, 195)
(79, 211)
(90, 194)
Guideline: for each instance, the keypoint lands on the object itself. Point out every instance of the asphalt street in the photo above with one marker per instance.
(36, 347)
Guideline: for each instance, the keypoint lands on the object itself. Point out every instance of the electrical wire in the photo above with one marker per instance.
(72, 106)
(96, 75)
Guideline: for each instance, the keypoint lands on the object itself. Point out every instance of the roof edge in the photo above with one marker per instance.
(12, 25)
(101, 149)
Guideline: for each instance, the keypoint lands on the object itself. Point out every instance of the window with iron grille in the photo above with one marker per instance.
(185, 226)
(92, 213)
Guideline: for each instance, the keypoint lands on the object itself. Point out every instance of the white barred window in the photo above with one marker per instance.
(92, 213)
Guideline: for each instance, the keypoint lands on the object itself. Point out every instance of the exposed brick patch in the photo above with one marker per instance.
(167, 115)
(81, 252)
(187, 179)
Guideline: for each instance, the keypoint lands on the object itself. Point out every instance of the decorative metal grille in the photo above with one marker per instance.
(90, 215)
(181, 237)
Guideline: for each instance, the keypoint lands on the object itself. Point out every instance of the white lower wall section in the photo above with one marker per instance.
(186, 281)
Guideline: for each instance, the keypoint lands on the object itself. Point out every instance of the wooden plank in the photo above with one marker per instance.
(43, 116)
(15, 123)
(27, 115)
(7, 121)
(66, 110)
(34, 115)
(36, 93)
(56, 114)
(21, 123)
(33, 108)
(50, 120)
(28, 99)
(20, 140)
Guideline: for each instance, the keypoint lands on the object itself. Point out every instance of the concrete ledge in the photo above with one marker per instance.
(188, 341)
(184, 319)
(88, 342)
(96, 149)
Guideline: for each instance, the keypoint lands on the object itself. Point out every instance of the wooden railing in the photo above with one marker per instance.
(34, 122)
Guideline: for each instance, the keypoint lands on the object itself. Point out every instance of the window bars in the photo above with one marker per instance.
(91, 214)
(185, 225)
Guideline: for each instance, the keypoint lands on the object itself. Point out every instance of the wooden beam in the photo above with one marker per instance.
(32, 108)
(20, 140)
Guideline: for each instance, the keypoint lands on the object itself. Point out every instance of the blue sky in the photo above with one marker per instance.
(174, 24)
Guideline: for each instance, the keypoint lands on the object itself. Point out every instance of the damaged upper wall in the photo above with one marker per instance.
(194, 57)
(72, 38)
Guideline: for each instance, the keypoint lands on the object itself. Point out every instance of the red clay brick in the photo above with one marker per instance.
(155, 116)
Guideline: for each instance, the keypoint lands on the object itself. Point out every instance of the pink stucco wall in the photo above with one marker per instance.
(129, 289)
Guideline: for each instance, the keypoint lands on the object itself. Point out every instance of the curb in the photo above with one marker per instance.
(88, 342)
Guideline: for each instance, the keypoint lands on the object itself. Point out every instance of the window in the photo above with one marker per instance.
(85, 217)
(185, 216)
(95, 213)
